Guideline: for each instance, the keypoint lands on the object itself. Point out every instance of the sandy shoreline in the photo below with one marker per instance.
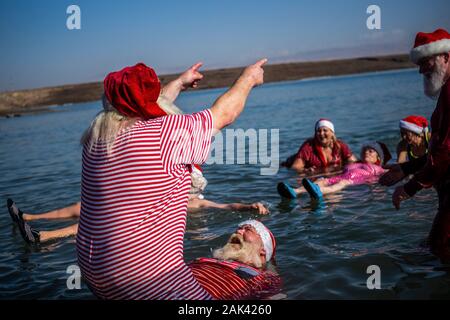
(37, 100)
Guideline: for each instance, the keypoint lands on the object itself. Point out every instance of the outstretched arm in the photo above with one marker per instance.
(201, 204)
(229, 106)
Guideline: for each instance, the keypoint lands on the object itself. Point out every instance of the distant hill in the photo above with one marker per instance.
(35, 100)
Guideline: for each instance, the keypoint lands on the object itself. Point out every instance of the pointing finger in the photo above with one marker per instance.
(197, 66)
(261, 62)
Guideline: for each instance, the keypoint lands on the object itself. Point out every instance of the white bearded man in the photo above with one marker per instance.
(431, 53)
(238, 269)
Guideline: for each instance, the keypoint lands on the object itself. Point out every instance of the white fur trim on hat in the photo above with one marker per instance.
(325, 123)
(266, 236)
(412, 127)
(429, 49)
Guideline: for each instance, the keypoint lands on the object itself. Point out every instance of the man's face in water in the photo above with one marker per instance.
(245, 245)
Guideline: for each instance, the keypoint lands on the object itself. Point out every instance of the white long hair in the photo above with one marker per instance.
(109, 122)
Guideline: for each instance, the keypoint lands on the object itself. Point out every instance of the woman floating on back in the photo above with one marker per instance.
(368, 170)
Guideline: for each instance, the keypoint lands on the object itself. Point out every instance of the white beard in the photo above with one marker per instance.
(244, 252)
(432, 85)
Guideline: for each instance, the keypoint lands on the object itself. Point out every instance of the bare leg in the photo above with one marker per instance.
(59, 233)
(335, 187)
(72, 211)
(321, 183)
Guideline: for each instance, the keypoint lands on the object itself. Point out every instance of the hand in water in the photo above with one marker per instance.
(398, 196)
(260, 207)
(394, 175)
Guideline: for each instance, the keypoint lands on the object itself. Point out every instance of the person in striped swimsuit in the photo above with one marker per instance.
(196, 199)
(238, 269)
(136, 180)
(368, 170)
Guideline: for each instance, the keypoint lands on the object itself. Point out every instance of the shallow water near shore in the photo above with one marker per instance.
(323, 251)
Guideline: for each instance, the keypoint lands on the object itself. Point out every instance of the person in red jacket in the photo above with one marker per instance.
(323, 152)
(431, 53)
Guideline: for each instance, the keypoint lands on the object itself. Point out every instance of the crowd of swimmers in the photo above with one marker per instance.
(322, 154)
(140, 177)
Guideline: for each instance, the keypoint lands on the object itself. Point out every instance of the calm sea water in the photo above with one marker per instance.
(323, 251)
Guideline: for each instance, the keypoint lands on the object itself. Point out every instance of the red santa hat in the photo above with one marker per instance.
(430, 44)
(416, 124)
(134, 91)
(267, 237)
(324, 123)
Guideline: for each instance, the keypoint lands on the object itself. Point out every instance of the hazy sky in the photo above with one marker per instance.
(38, 50)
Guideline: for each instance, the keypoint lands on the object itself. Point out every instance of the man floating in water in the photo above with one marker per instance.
(238, 269)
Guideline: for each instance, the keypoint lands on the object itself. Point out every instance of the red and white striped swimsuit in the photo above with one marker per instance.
(232, 280)
(133, 209)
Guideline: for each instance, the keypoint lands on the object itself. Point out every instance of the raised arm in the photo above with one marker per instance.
(188, 79)
(229, 106)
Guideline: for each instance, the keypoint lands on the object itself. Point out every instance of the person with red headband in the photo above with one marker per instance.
(135, 183)
(323, 151)
(239, 270)
(374, 156)
(415, 138)
(431, 52)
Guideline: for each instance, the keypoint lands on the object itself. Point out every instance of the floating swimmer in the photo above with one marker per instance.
(373, 155)
(238, 269)
(196, 201)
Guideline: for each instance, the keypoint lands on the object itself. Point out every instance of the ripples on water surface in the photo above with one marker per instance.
(322, 252)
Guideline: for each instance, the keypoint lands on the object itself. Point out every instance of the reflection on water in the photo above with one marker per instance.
(323, 249)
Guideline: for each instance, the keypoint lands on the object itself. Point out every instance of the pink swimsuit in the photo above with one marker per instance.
(358, 173)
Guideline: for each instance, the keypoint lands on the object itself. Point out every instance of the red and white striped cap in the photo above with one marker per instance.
(267, 237)
(324, 123)
(416, 124)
